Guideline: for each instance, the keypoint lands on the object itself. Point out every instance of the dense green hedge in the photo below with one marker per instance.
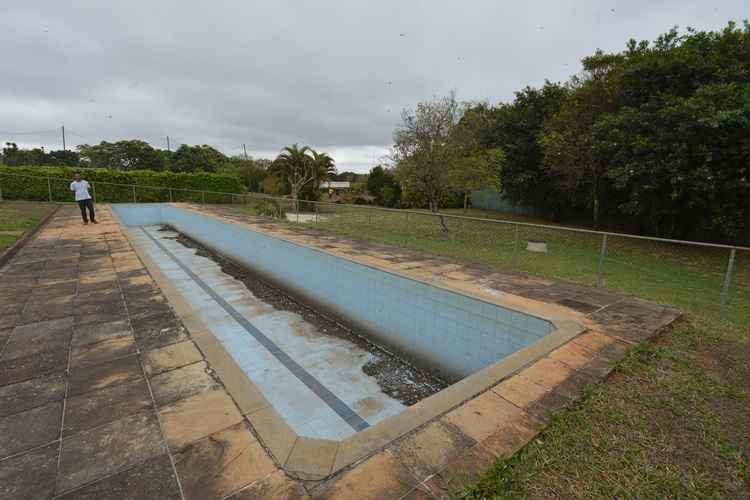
(152, 186)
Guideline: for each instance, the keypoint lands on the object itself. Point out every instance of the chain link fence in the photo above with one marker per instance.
(707, 279)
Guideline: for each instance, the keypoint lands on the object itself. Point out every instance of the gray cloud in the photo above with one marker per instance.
(334, 75)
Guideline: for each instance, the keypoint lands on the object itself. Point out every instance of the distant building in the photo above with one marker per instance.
(335, 186)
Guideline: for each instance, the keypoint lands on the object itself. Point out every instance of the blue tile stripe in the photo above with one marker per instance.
(342, 409)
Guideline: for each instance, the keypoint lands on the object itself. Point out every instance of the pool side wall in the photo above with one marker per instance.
(447, 333)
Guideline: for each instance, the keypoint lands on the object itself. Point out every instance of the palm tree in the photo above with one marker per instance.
(301, 166)
(324, 167)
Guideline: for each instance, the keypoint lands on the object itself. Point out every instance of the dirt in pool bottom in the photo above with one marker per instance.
(396, 377)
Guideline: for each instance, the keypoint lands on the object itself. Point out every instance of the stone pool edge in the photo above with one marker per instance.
(316, 459)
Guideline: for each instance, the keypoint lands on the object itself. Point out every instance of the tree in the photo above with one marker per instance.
(197, 158)
(13, 156)
(382, 184)
(122, 155)
(422, 151)
(515, 129)
(678, 144)
(302, 167)
(250, 171)
(567, 140)
(481, 170)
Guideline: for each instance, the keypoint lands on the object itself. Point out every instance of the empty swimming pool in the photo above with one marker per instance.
(317, 382)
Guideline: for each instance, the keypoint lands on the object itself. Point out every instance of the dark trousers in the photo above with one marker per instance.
(87, 204)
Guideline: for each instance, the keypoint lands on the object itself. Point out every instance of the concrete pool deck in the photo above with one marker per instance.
(103, 391)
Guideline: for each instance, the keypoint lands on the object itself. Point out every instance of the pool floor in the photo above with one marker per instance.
(314, 381)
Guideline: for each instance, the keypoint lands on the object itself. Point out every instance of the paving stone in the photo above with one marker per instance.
(578, 305)
(170, 357)
(65, 287)
(153, 479)
(512, 437)
(105, 405)
(483, 415)
(546, 406)
(107, 350)
(102, 451)
(520, 391)
(135, 278)
(97, 332)
(547, 372)
(30, 476)
(103, 375)
(634, 319)
(277, 486)
(37, 337)
(419, 493)
(158, 331)
(107, 295)
(134, 291)
(573, 355)
(111, 307)
(381, 476)
(101, 317)
(30, 428)
(182, 383)
(31, 393)
(149, 303)
(430, 449)
(463, 471)
(222, 463)
(20, 369)
(9, 320)
(311, 459)
(11, 308)
(4, 336)
(573, 386)
(44, 313)
(191, 419)
(92, 285)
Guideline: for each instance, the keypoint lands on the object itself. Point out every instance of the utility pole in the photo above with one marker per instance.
(245, 150)
(63, 135)
(168, 144)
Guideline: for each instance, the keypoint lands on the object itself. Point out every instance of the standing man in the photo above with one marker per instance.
(81, 189)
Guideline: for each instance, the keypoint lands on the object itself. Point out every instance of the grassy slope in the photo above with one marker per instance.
(673, 419)
(671, 422)
(19, 216)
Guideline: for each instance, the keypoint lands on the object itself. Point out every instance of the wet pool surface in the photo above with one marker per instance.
(319, 383)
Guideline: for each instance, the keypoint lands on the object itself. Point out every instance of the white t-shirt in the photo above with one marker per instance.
(81, 189)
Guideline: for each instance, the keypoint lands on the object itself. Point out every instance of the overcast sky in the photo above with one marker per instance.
(331, 74)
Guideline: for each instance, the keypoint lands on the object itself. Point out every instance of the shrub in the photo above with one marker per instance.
(30, 183)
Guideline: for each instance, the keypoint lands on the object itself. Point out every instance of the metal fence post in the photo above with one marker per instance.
(49, 189)
(203, 197)
(93, 191)
(296, 209)
(727, 283)
(600, 269)
(170, 195)
(1, 191)
(134, 196)
(515, 246)
(316, 213)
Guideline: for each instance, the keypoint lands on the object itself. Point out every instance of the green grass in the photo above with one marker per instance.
(672, 421)
(19, 216)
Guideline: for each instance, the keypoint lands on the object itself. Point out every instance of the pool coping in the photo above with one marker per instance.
(316, 459)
